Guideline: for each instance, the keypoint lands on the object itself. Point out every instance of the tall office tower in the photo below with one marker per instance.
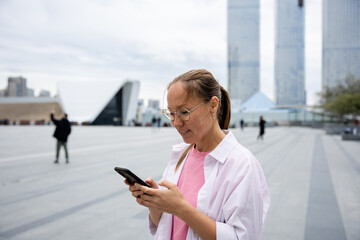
(289, 53)
(17, 87)
(341, 41)
(243, 48)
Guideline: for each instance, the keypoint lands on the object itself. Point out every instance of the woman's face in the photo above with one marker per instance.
(201, 120)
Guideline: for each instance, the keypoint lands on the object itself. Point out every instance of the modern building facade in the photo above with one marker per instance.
(122, 107)
(341, 41)
(243, 31)
(101, 102)
(289, 53)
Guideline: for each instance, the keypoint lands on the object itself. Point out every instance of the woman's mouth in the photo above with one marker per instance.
(182, 132)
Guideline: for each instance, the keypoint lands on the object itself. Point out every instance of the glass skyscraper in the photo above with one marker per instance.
(243, 32)
(289, 53)
(341, 41)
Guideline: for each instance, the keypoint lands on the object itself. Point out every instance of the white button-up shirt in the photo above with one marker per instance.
(235, 193)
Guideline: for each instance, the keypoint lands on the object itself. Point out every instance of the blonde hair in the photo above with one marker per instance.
(201, 83)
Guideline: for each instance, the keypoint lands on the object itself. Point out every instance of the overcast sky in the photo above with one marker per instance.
(152, 41)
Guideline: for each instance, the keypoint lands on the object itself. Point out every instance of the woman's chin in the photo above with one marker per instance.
(188, 140)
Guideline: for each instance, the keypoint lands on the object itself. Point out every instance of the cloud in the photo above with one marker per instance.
(152, 41)
(108, 40)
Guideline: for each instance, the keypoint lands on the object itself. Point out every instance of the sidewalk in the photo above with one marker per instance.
(314, 181)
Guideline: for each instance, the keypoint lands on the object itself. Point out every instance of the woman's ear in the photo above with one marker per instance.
(214, 105)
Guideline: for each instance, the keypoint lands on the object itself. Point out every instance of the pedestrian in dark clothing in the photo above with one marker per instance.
(262, 128)
(242, 123)
(153, 121)
(62, 131)
(158, 121)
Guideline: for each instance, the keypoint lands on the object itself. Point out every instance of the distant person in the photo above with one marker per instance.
(213, 187)
(242, 123)
(356, 123)
(158, 122)
(153, 121)
(62, 131)
(262, 123)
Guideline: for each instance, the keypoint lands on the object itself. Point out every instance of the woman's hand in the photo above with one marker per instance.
(135, 190)
(168, 200)
(172, 201)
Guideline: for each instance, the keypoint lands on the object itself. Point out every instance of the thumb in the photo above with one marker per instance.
(152, 183)
(166, 184)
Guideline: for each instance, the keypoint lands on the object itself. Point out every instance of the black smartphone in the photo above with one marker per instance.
(130, 176)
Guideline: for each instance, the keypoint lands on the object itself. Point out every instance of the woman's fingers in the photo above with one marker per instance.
(167, 184)
(146, 190)
(164, 200)
(127, 183)
(135, 191)
(152, 183)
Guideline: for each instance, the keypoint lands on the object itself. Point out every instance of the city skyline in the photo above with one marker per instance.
(113, 41)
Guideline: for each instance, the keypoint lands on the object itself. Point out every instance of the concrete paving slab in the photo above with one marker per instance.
(87, 199)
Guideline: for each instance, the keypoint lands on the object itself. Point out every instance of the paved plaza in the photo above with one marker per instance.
(314, 181)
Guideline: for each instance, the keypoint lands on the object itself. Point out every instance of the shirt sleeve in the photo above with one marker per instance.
(152, 227)
(56, 122)
(243, 205)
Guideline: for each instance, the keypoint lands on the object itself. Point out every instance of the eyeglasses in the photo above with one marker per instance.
(183, 113)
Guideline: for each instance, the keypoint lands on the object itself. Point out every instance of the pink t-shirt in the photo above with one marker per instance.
(190, 181)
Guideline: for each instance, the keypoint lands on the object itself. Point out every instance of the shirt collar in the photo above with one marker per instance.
(222, 150)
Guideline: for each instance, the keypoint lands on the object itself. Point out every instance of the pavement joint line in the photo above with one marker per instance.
(252, 143)
(323, 217)
(58, 215)
(281, 158)
(73, 150)
(50, 189)
(276, 142)
(45, 220)
(355, 164)
(73, 169)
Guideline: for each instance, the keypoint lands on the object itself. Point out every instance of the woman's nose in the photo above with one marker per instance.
(177, 121)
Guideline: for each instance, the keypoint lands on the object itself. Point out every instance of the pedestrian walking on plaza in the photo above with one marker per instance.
(213, 187)
(153, 121)
(158, 120)
(262, 123)
(242, 123)
(62, 131)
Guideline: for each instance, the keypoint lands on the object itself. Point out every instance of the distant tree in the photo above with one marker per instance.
(344, 104)
(343, 99)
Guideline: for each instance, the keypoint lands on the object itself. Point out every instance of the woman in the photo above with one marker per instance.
(213, 188)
